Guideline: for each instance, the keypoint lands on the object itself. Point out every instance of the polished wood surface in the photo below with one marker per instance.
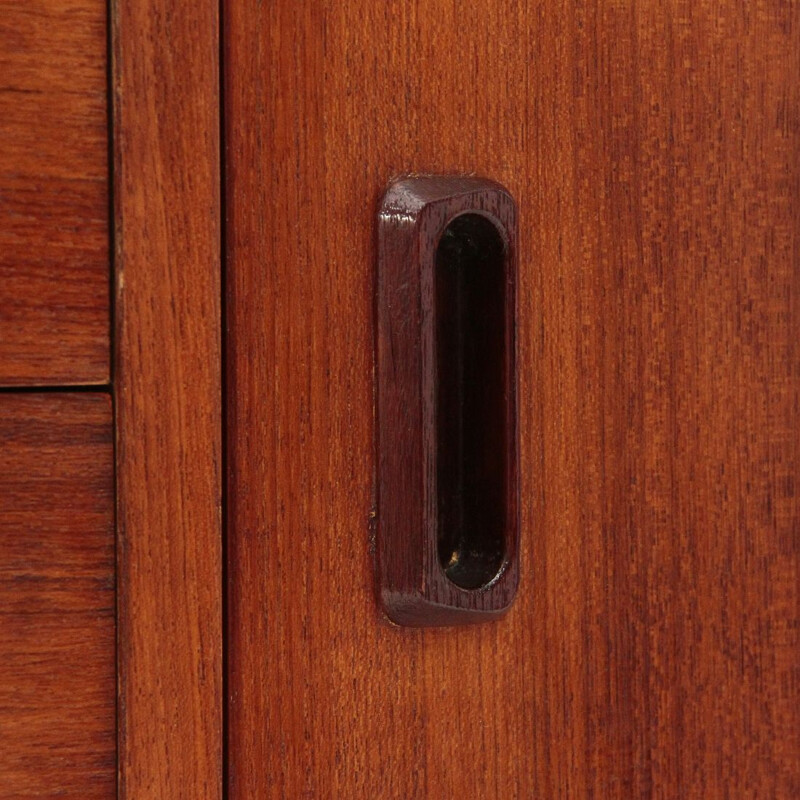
(57, 675)
(653, 646)
(54, 242)
(168, 398)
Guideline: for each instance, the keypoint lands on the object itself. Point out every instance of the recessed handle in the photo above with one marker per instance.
(448, 527)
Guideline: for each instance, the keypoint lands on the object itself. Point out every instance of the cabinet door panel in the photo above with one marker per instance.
(653, 152)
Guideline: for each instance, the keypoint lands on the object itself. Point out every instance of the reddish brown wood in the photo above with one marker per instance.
(653, 645)
(168, 398)
(425, 404)
(54, 253)
(57, 682)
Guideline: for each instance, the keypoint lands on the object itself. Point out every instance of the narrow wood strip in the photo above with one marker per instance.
(168, 397)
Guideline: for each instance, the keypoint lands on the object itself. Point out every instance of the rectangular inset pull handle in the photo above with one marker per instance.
(448, 525)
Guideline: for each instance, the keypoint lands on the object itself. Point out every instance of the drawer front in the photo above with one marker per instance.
(57, 659)
(54, 199)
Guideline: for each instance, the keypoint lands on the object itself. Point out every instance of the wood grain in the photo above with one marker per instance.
(57, 674)
(168, 397)
(54, 243)
(653, 152)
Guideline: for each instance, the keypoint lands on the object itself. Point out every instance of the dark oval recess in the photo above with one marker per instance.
(471, 422)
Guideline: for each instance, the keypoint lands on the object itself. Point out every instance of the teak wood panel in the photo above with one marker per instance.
(653, 151)
(57, 671)
(168, 397)
(54, 177)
